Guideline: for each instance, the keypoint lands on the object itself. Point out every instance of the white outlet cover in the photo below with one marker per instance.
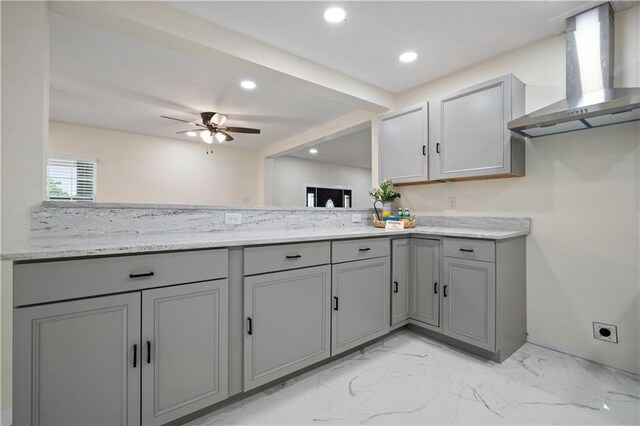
(356, 218)
(453, 203)
(612, 331)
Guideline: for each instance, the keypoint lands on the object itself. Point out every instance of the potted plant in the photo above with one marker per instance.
(385, 194)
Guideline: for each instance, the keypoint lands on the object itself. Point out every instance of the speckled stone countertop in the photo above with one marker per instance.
(61, 247)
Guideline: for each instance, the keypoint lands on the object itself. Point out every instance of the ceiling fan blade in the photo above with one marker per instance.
(183, 121)
(229, 137)
(187, 131)
(242, 130)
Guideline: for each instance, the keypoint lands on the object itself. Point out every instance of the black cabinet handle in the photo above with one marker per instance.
(424, 150)
(435, 288)
(335, 305)
(296, 256)
(365, 249)
(444, 290)
(438, 148)
(135, 355)
(395, 286)
(148, 351)
(146, 274)
(467, 250)
(249, 326)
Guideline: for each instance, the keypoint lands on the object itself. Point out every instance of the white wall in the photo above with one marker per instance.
(581, 191)
(135, 168)
(292, 175)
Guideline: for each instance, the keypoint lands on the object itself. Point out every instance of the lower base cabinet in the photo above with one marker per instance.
(287, 323)
(424, 278)
(360, 302)
(400, 280)
(85, 362)
(184, 362)
(469, 302)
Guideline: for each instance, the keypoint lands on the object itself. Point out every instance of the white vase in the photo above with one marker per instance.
(387, 206)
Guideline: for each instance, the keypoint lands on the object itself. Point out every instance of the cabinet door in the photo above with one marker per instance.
(287, 326)
(424, 275)
(470, 136)
(469, 301)
(184, 362)
(360, 303)
(78, 363)
(399, 281)
(403, 145)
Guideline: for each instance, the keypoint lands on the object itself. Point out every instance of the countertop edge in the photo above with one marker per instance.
(62, 253)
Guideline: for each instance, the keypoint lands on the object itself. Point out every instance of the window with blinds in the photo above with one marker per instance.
(71, 180)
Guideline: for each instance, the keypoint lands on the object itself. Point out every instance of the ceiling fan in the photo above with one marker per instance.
(213, 127)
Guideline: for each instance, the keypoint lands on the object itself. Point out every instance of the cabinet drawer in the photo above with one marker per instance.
(258, 260)
(346, 251)
(71, 279)
(470, 249)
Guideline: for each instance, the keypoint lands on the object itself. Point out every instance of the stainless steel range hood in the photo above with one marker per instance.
(591, 100)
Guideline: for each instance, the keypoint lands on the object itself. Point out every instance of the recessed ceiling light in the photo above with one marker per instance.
(408, 57)
(313, 151)
(192, 134)
(335, 15)
(248, 84)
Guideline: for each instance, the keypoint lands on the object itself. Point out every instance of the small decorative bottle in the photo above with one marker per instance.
(407, 214)
(400, 212)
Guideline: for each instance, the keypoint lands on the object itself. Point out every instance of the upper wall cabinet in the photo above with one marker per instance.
(469, 136)
(403, 145)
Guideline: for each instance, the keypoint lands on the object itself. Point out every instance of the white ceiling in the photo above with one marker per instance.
(353, 149)
(104, 79)
(447, 35)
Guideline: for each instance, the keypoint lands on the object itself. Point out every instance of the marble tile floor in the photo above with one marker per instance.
(409, 379)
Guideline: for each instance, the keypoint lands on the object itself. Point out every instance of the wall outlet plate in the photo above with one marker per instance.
(356, 217)
(233, 218)
(453, 203)
(606, 332)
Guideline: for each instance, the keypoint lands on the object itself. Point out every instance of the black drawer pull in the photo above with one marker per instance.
(249, 326)
(444, 290)
(148, 351)
(435, 288)
(146, 274)
(395, 286)
(335, 305)
(135, 356)
(295, 256)
(438, 148)
(467, 250)
(365, 249)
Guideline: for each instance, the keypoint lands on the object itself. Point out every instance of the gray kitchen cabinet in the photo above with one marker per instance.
(469, 302)
(78, 362)
(184, 349)
(403, 145)
(469, 136)
(424, 278)
(360, 291)
(399, 280)
(288, 323)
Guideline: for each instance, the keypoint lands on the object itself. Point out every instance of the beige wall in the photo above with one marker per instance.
(292, 175)
(581, 191)
(135, 168)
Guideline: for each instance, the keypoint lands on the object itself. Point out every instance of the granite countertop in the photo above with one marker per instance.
(54, 248)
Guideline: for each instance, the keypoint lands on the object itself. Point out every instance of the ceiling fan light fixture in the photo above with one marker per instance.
(218, 118)
(192, 134)
(220, 137)
(206, 136)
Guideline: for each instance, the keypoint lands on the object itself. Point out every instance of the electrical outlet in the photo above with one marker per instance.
(356, 218)
(233, 218)
(606, 332)
(453, 203)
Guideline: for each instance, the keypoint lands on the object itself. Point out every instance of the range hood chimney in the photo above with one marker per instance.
(591, 100)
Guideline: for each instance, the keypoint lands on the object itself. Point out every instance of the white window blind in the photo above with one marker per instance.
(71, 180)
